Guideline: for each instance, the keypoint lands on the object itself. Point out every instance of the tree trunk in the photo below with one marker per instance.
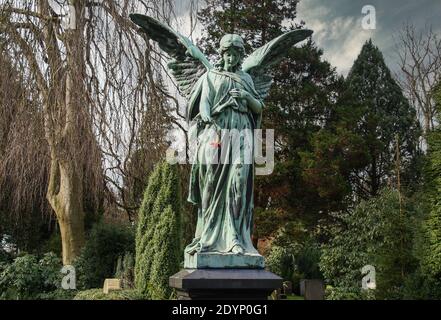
(427, 123)
(65, 192)
(66, 198)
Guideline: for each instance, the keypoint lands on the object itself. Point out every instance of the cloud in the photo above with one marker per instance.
(341, 36)
(338, 30)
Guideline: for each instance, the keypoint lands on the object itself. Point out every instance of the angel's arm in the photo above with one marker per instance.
(254, 104)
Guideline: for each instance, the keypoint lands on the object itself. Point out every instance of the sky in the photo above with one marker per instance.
(337, 25)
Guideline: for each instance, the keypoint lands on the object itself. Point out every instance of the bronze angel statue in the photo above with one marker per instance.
(226, 96)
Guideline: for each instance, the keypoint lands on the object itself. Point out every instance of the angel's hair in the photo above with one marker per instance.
(221, 63)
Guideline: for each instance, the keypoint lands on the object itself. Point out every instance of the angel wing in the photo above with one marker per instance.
(258, 63)
(187, 63)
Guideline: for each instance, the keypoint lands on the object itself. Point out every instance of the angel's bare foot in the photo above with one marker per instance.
(237, 250)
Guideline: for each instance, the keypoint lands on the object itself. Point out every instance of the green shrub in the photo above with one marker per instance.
(98, 259)
(27, 277)
(347, 293)
(294, 255)
(59, 294)
(308, 259)
(375, 233)
(281, 262)
(295, 261)
(98, 294)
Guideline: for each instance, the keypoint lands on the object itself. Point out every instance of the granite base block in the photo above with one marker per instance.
(225, 284)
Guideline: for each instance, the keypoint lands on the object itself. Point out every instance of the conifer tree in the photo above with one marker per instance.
(144, 231)
(387, 115)
(167, 256)
(158, 237)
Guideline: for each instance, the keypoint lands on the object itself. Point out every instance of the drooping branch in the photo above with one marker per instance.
(27, 51)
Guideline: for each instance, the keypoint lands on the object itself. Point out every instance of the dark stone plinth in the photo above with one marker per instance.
(225, 284)
(312, 289)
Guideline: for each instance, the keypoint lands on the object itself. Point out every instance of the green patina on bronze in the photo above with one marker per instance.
(226, 96)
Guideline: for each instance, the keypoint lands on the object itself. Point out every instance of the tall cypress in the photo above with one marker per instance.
(144, 231)
(387, 120)
(158, 237)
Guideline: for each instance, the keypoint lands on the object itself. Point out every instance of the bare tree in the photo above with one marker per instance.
(95, 83)
(24, 159)
(420, 62)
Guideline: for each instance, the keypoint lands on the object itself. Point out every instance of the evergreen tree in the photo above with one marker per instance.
(158, 237)
(168, 254)
(387, 117)
(145, 230)
(337, 152)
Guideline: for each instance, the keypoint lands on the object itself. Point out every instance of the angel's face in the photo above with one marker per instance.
(231, 58)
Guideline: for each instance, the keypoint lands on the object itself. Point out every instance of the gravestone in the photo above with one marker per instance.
(111, 285)
(312, 289)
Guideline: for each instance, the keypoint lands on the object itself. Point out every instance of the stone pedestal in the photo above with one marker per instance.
(225, 284)
(214, 260)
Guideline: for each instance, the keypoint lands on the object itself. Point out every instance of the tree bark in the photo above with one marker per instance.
(65, 195)
(65, 191)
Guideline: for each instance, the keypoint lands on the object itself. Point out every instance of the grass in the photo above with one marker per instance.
(294, 297)
(97, 294)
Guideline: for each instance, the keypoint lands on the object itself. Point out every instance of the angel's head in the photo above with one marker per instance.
(232, 52)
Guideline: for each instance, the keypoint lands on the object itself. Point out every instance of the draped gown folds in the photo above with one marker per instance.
(223, 189)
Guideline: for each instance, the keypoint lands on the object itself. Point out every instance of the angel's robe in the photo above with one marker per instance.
(223, 189)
